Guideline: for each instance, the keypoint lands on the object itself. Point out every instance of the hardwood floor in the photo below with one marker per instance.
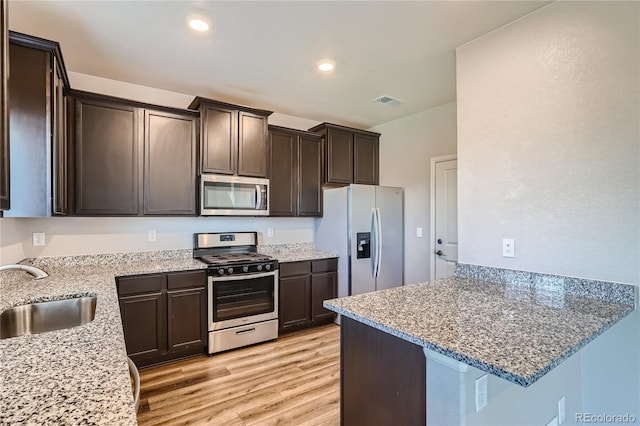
(292, 381)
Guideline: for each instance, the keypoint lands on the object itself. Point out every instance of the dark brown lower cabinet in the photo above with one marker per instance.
(303, 287)
(144, 325)
(163, 315)
(382, 378)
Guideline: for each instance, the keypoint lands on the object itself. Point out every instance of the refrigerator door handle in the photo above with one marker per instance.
(378, 242)
(374, 243)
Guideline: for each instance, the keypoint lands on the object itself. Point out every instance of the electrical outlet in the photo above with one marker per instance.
(508, 247)
(151, 235)
(269, 232)
(553, 422)
(481, 392)
(561, 411)
(419, 232)
(37, 239)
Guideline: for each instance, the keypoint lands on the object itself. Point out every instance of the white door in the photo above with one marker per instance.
(446, 218)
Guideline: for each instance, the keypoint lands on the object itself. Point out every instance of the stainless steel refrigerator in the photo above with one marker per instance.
(364, 225)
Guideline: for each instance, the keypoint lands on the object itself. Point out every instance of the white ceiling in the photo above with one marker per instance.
(264, 53)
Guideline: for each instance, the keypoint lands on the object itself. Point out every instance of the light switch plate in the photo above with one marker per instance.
(481, 392)
(508, 247)
(151, 235)
(37, 239)
(269, 232)
(419, 232)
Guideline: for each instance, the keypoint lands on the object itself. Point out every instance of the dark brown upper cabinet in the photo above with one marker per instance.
(107, 158)
(133, 158)
(170, 168)
(365, 158)
(233, 138)
(5, 176)
(351, 155)
(295, 165)
(37, 127)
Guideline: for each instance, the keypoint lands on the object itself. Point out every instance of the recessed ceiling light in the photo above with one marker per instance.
(199, 24)
(326, 65)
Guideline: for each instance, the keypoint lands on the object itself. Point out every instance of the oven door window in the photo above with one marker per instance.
(237, 299)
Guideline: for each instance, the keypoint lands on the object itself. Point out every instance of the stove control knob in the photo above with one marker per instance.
(267, 267)
(245, 269)
(230, 270)
(259, 268)
(220, 271)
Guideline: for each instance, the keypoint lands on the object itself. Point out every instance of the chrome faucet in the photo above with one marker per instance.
(36, 272)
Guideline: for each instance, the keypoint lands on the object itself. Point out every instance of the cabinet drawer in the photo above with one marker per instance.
(139, 284)
(186, 279)
(295, 268)
(324, 265)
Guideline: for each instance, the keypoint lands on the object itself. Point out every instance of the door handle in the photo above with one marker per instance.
(439, 253)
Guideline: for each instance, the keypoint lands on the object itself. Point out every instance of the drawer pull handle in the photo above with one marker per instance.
(249, 330)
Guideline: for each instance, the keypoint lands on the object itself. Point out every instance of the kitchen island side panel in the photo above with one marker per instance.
(382, 378)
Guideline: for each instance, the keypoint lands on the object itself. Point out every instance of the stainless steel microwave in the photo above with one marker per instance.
(222, 195)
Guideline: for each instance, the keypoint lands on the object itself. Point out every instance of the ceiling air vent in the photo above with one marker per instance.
(388, 100)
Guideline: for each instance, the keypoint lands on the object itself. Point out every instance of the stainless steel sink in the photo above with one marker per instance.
(47, 316)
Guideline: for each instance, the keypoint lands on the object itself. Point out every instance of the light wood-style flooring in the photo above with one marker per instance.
(292, 381)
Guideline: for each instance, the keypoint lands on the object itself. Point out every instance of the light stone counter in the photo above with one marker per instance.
(294, 252)
(77, 375)
(518, 328)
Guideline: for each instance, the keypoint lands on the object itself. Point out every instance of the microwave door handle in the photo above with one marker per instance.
(258, 198)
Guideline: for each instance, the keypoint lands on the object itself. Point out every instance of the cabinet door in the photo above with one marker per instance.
(169, 164)
(30, 131)
(283, 156)
(59, 146)
(4, 109)
(144, 324)
(253, 149)
(107, 158)
(186, 319)
(294, 308)
(310, 176)
(219, 140)
(365, 167)
(323, 287)
(339, 156)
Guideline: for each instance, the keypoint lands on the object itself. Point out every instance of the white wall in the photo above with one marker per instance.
(406, 147)
(451, 395)
(86, 235)
(549, 154)
(155, 96)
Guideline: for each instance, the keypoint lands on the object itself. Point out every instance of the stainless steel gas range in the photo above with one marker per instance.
(242, 290)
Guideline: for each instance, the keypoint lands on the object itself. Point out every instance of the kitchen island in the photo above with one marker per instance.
(518, 328)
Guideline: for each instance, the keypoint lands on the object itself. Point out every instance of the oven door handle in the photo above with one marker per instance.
(242, 277)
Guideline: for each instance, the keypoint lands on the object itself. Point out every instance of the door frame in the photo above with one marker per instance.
(432, 212)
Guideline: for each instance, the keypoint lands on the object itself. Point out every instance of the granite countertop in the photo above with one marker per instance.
(294, 252)
(78, 375)
(515, 331)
